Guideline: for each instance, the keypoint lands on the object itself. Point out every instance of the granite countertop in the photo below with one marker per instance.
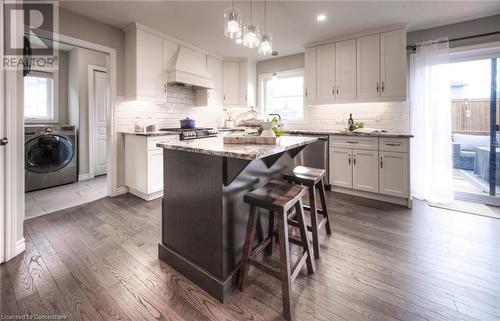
(345, 133)
(215, 146)
(151, 134)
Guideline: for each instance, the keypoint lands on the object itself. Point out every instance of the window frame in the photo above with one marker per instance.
(263, 78)
(55, 97)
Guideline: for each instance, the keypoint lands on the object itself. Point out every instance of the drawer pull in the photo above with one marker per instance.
(393, 144)
(351, 142)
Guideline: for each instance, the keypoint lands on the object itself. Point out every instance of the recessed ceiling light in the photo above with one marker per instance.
(321, 17)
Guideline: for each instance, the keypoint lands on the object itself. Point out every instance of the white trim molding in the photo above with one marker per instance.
(91, 123)
(121, 190)
(83, 177)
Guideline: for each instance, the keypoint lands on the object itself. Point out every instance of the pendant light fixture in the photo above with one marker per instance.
(232, 22)
(266, 42)
(251, 35)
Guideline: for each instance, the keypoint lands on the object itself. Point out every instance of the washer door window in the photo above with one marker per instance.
(48, 153)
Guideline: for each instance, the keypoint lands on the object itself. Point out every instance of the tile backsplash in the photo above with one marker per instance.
(178, 105)
(391, 116)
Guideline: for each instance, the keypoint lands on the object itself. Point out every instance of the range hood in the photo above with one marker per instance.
(189, 68)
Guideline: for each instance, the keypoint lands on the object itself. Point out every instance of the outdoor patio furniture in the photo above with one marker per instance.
(482, 163)
(464, 149)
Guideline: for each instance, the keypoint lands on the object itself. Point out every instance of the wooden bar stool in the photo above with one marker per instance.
(279, 199)
(312, 178)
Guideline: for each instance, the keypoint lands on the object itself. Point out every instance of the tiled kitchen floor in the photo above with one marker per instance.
(61, 197)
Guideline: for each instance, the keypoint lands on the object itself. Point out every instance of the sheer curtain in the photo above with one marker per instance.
(430, 114)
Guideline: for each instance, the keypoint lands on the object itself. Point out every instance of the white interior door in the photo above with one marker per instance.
(101, 117)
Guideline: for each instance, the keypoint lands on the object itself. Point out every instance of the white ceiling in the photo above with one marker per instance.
(292, 23)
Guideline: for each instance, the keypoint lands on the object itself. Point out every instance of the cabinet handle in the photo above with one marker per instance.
(164, 87)
(306, 92)
(337, 89)
(349, 159)
(333, 90)
(354, 159)
(383, 87)
(351, 142)
(224, 97)
(393, 144)
(381, 162)
(378, 87)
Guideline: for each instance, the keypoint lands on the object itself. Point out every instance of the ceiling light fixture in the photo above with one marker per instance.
(266, 42)
(321, 17)
(232, 22)
(251, 34)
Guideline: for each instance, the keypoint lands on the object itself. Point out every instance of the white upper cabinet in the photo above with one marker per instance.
(231, 80)
(345, 69)
(325, 71)
(393, 63)
(368, 67)
(310, 75)
(215, 69)
(145, 72)
(248, 80)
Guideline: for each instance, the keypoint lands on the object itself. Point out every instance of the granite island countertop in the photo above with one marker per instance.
(152, 134)
(346, 133)
(215, 146)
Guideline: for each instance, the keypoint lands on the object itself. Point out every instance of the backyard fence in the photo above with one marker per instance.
(472, 116)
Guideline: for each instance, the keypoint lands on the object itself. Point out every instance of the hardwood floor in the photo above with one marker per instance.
(382, 262)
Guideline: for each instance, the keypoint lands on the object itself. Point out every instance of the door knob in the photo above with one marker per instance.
(4, 141)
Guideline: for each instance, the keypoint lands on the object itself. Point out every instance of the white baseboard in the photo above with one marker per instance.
(374, 196)
(144, 196)
(121, 190)
(20, 246)
(83, 177)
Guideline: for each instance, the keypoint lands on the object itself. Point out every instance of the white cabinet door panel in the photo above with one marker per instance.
(150, 66)
(325, 72)
(231, 79)
(345, 69)
(215, 69)
(365, 170)
(341, 167)
(155, 171)
(393, 63)
(394, 174)
(368, 66)
(310, 75)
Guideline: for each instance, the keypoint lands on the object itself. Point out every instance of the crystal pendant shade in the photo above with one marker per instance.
(251, 35)
(232, 23)
(266, 44)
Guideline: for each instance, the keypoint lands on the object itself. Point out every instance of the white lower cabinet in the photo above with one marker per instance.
(341, 167)
(365, 170)
(373, 167)
(394, 174)
(144, 165)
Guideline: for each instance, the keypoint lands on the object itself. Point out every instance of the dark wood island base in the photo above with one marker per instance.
(204, 217)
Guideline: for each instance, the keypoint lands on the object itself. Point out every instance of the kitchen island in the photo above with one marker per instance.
(204, 217)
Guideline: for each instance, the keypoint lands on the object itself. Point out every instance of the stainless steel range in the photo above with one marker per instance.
(195, 133)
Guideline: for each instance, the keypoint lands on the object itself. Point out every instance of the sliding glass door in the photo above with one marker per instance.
(475, 135)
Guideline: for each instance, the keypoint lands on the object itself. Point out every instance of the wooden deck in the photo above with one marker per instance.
(382, 262)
